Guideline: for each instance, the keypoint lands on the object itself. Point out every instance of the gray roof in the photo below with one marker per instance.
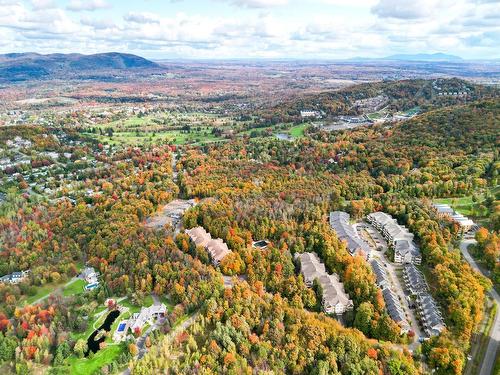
(381, 217)
(310, 266)
(393, 306)
(397, 231)
(432, 318)
(443, 209)
(379, 272)
(414, 278)
(339, 221)
(333, 290)
(406, 246)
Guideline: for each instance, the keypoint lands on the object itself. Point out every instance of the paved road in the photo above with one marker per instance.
(377, 241)
(489, 358)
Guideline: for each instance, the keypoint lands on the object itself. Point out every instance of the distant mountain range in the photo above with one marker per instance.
(425, 57)
(431, 57)
(28, 66)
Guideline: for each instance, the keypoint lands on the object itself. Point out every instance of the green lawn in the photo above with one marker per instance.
(466, 206)
(74, 288)
(85, 366)
(168, 303)
(297, 131)
(42, 291)
(375, 116)
(90, 328)
(174, 136)
(148, 301)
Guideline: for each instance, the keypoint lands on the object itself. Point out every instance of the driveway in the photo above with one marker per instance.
(60, 288)
(490, 356)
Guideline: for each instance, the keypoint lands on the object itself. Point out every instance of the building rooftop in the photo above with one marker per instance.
(339, 221)
(406, 246)
(394, 307)
(379, 272)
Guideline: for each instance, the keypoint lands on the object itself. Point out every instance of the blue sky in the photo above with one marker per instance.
(310, 29)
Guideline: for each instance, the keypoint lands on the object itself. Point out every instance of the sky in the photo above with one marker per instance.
(221, 29)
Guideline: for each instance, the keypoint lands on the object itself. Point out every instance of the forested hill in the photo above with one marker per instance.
(445, 141)
(399, 96)
(473, 127)
(29, 66)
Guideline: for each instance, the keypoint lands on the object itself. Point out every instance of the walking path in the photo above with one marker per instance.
(490, 356)
(55, 290)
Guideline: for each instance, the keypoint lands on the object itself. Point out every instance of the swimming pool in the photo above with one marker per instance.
(121, 327)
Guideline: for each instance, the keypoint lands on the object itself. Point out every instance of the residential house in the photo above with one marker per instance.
(380, 274)
(89, 275)
(199, 236)
(310, 267)
(15, 277)
(445, 211)
(334, 299)
(218, 250)
(397, 236)
(147, 314)
(379, 219)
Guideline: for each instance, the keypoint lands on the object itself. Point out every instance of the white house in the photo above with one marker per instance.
(15, 277)
(89, 275)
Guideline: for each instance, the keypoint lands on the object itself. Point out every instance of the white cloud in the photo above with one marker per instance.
(87, 5)
(377, 28)
(43, 4)
(143, 17)
(257, 3)
(404, 9)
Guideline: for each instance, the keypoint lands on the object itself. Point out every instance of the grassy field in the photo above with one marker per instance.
(297, 131)
(42, 291)
(466, 205)
(168, 303)
(148, 301)
(85, 366)
(175, 137)
(161, 128)
(47, 289)
(74, 288)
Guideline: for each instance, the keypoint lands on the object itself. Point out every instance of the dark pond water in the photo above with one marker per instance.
(93, 344)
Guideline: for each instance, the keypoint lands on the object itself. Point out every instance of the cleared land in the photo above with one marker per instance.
(475, 208)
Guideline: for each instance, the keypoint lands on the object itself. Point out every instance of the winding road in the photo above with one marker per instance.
(490, 356)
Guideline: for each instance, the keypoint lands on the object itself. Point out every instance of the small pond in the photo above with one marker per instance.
(284, 137)
(92, 343)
